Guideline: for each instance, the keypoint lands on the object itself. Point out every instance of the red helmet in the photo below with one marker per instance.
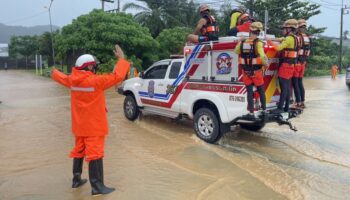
(85, 60)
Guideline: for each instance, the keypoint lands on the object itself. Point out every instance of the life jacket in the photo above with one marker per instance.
(290, 55)
(250, 59)
(304, 47)
(211, 29)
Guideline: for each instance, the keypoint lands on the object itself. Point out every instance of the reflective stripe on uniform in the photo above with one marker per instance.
(290, 54)
(254, 61)
(212, 29)
(83, 89)
(306, 40)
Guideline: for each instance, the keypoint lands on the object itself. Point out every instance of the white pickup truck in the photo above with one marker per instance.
(205, 84)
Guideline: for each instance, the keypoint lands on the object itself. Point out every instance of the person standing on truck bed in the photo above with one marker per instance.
(303, 54)
(288, 60)
(251, 59)
(89, 120)
(207, 28)
(240, 22)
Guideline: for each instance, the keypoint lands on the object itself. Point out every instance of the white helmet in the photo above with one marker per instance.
(84, 61)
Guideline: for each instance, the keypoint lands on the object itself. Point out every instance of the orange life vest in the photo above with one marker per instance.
(249, 58)
(290, 55)
(304, 47)
(211, 29)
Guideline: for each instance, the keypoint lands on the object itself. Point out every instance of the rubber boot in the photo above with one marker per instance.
(96, 178)
(77, 170)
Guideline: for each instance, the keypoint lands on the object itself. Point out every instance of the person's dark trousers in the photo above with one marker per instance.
(77, 170)
(250, 96)
(262, 96)
(296, 88)
(285, 94)
(232, 32)
(96, 178)
(302, 90)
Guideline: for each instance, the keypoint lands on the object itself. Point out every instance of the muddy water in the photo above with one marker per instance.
(159, 158)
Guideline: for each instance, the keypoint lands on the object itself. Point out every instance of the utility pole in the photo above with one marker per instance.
(266, 20)
(251, 9)
(342, 13)
(51, 34)
(118, 6)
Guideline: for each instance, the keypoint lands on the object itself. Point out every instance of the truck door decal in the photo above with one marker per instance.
(223, 63)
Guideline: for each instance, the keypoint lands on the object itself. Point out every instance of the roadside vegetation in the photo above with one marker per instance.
(159, 28)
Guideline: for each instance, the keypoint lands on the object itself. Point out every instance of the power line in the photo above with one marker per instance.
(25, 18)
(330, 8)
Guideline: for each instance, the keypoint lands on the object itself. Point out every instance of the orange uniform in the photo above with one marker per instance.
(88, 107)
(334, 71)
(289, 56)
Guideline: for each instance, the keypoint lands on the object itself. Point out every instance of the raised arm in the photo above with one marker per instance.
(60, 78)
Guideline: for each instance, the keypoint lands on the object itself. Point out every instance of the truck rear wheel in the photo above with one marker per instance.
(131, 110)
(206, 125)
(252, 127)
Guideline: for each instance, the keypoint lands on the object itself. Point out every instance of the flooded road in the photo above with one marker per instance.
(158, 158)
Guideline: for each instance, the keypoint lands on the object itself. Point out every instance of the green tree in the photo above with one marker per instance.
(98, 32)
(160, 14)
(281, 10)
(23, 46)
(224, 18)
(150, 15)
(172, 41)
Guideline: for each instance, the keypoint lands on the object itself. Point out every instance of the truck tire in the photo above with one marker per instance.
(252, 127)
(206, 125)
(131, 110)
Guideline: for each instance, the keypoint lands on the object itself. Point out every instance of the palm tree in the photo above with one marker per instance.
(150, 15)
(160, 14)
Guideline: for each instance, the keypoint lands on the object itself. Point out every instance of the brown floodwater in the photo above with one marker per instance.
(159, 158)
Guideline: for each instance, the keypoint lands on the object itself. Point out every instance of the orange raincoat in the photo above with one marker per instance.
(87, 98)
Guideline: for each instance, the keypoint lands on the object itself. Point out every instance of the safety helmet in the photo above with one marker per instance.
(244, 17)
(255, 26)
(203, 8)
(290, 23)
(302, 22)
(84, 61)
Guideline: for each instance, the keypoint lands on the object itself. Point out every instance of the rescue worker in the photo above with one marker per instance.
(207, 28)
(240, 22)
(89, 120)
(288, 60)
(303, 54)
(132, 73)
(334, 71)
(251, 60)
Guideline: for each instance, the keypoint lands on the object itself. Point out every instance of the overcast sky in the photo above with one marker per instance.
(32, 12)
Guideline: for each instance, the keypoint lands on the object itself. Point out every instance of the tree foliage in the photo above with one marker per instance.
(281, 10)
(98, 32)
(172, 41)
(23, 46)
(160, 14)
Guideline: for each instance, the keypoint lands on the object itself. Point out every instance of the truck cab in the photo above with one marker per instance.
(205, 85)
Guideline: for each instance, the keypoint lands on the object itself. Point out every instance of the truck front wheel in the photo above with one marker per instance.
(206, 125)
(131, 110)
